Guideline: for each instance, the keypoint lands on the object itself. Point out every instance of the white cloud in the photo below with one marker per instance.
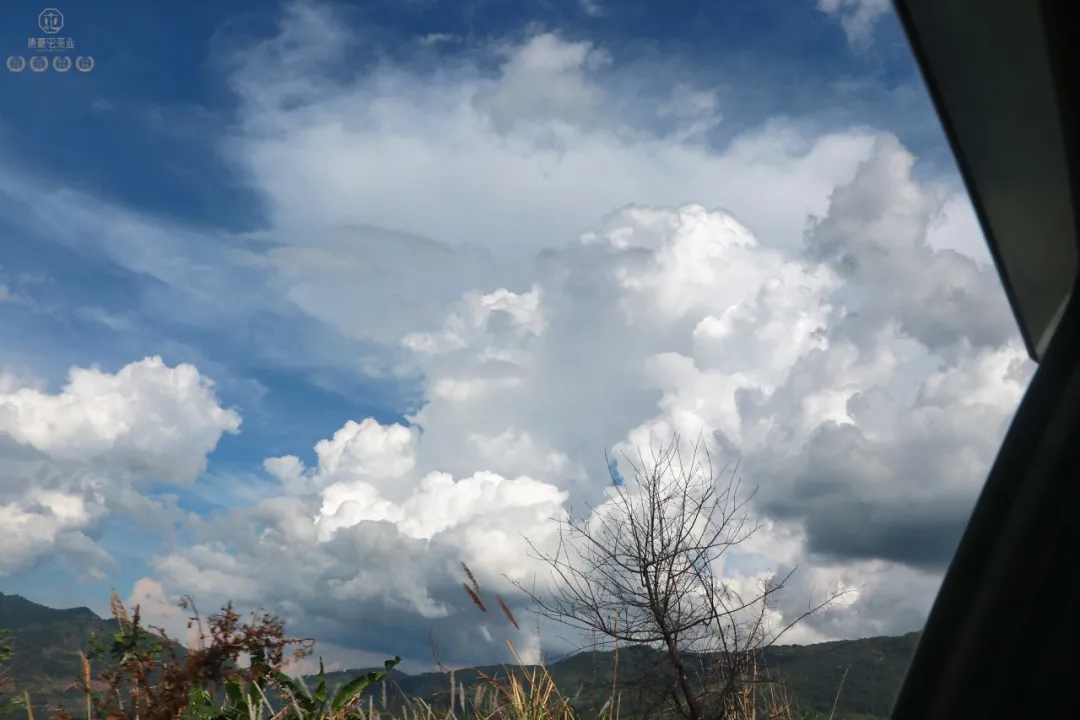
(959, 229)
(149, 596)
(592, 7)
(664, 320)
(857, 17)
(70, 457)
(158, 420)
(503, 164)
(558, 276)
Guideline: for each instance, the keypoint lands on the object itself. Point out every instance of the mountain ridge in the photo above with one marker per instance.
(866, 672)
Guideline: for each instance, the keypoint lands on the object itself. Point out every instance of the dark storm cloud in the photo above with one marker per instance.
(860, 500)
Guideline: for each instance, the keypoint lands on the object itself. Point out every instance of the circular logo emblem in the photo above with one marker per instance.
(51, 21)
(16, 63)
(61, 63)
(84, 63)
(39, 63)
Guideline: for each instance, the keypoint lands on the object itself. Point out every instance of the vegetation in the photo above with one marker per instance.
(674, 640)
(867, 673)
(143, 676)
(8, 704)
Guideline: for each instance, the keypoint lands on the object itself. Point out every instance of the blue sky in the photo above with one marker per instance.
(256, 190)
(161, 91)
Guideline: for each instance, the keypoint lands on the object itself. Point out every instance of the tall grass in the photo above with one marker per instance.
(145, 679)
(8, 704)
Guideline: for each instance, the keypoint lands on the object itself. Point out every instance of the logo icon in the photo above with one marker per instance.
(51, 21)
(39, 63)
(61, 63)
(84, 63)
(16, 63)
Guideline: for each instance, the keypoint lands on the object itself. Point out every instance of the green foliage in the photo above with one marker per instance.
(144, 677)
(868, 672)
(240, 703)
(254, 701)
(8, 705)
(315, 705)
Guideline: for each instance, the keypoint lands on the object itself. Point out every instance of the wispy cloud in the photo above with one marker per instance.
(859, 18)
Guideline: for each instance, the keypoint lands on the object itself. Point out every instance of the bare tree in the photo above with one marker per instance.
(644, 569)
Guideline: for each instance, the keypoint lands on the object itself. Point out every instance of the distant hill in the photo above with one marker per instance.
(46, 642)
(867, 672)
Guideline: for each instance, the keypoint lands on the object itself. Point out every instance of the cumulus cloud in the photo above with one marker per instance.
(939, 296)
(816, 372)
(561, 277)
(71, 457)
(372, 541)
(343, 164)
(155, 419)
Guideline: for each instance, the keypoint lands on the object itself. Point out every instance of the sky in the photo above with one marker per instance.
(303, 305)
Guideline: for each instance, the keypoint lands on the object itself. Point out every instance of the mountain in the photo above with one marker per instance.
(861, 676)
(866, 673)
(46, 644)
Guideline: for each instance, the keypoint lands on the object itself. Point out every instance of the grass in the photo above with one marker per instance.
(236, 673)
